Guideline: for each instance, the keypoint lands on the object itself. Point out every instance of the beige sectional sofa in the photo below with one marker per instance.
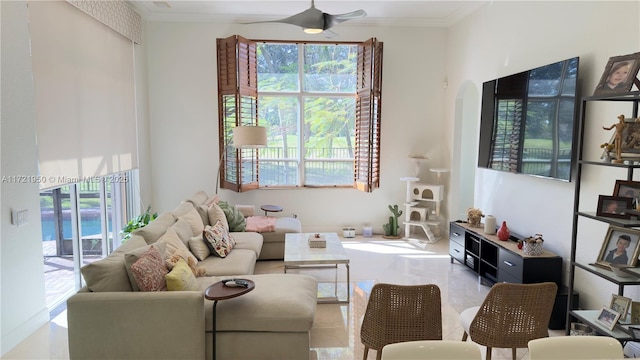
(109, 319)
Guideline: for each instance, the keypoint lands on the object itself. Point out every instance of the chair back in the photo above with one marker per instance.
(575, 347)
(398, 313)
(432, 349)
(513, 314)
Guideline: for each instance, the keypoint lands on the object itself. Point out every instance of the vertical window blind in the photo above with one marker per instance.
(84, 83)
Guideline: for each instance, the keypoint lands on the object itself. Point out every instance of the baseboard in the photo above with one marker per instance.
(26, 329)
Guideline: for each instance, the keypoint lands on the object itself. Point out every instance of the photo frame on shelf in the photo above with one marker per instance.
(627, 253)
(614, 206)
(635, 312)
(619, 75)
(620, 304)
(627, 188)
(607, 317)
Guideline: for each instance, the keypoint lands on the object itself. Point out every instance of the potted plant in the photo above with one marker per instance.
(139, 221)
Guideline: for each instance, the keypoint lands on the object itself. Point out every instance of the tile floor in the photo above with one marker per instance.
(335, 331)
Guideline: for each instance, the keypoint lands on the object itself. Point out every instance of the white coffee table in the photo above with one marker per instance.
(299, 255)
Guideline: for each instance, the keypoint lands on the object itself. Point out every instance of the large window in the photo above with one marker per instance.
(306, 97)
(320, 103)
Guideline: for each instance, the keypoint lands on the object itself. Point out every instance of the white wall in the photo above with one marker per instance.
(504, 38)
(22, 295)
(184, 132)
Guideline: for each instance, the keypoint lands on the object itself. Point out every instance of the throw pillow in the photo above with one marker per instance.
(218, 240)
(131, 256)
(183, 229)
(181, 278)
(199, 248)
(175, 245)
(149, 271)
(235, 218)
(216, 213)
(194, 220)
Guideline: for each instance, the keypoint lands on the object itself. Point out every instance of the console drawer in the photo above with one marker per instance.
(510, 265)
(456, 251)
(456, 233)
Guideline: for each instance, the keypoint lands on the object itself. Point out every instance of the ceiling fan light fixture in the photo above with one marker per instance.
(312, 31)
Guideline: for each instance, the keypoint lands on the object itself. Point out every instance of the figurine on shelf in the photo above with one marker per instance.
(618, 138)
(474, 216)
(606, 156)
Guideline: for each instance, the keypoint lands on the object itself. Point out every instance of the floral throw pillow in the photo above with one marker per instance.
(149, 271)
(218, 239)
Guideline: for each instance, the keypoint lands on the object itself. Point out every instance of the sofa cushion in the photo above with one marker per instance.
(149, 270)
(175, 245)
(216, 213)
(238, 262)
(183, 229)
(152, 232)
(204, 215)
(134, 255)
(194, 219)
(198, 247)
(218, 240)
(279, 302)
(181, 278)
(249, 241)
(283, 226)
(198, 198)
(110, 274)
(235, 218)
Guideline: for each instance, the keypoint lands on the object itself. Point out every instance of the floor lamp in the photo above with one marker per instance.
(244, 137)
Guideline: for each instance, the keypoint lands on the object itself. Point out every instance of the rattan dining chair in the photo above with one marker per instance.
(510, 316)
(575, 347)
(398, 313)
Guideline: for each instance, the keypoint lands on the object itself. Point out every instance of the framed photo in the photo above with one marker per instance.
(626, 188)
(621, 305)
(607, 317)
(635, 313)
(614, 206)
(619, 74)
(620, 246)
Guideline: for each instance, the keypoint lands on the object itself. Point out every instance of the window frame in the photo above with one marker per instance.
(237, 83)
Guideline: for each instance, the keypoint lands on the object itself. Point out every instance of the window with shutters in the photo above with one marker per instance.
(320, 103)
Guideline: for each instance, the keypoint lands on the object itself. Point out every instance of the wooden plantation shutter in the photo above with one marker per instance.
(237, 106)
(368, 105)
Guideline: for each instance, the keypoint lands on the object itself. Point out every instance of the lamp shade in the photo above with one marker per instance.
(249, 137)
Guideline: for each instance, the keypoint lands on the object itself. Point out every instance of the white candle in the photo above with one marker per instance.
(490, 225)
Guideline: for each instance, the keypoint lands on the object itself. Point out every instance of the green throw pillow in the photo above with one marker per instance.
(236, 220)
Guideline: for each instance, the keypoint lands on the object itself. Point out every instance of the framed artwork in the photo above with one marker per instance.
(621, 305)
(635, 312)
(614, 206)
(631, 136)
(619, 75)
(620, 246)
(607, 317)
(624, 188)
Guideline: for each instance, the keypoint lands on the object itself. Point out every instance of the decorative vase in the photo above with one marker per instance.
(503, 232)
(490, 225)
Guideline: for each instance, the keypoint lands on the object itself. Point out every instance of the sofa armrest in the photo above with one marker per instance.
(136, 325)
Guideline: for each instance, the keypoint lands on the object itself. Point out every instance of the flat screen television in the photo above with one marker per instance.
(528, 121)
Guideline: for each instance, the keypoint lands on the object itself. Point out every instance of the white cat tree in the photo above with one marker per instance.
(422, 203)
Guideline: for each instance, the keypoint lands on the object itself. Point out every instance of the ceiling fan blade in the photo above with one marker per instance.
(310, 18)
(331, 20)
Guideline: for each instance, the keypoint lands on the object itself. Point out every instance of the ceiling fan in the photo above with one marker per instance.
(315, 21)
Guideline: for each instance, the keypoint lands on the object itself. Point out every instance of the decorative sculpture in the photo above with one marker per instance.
(618, 137)
(391, 228)
(474, 216)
